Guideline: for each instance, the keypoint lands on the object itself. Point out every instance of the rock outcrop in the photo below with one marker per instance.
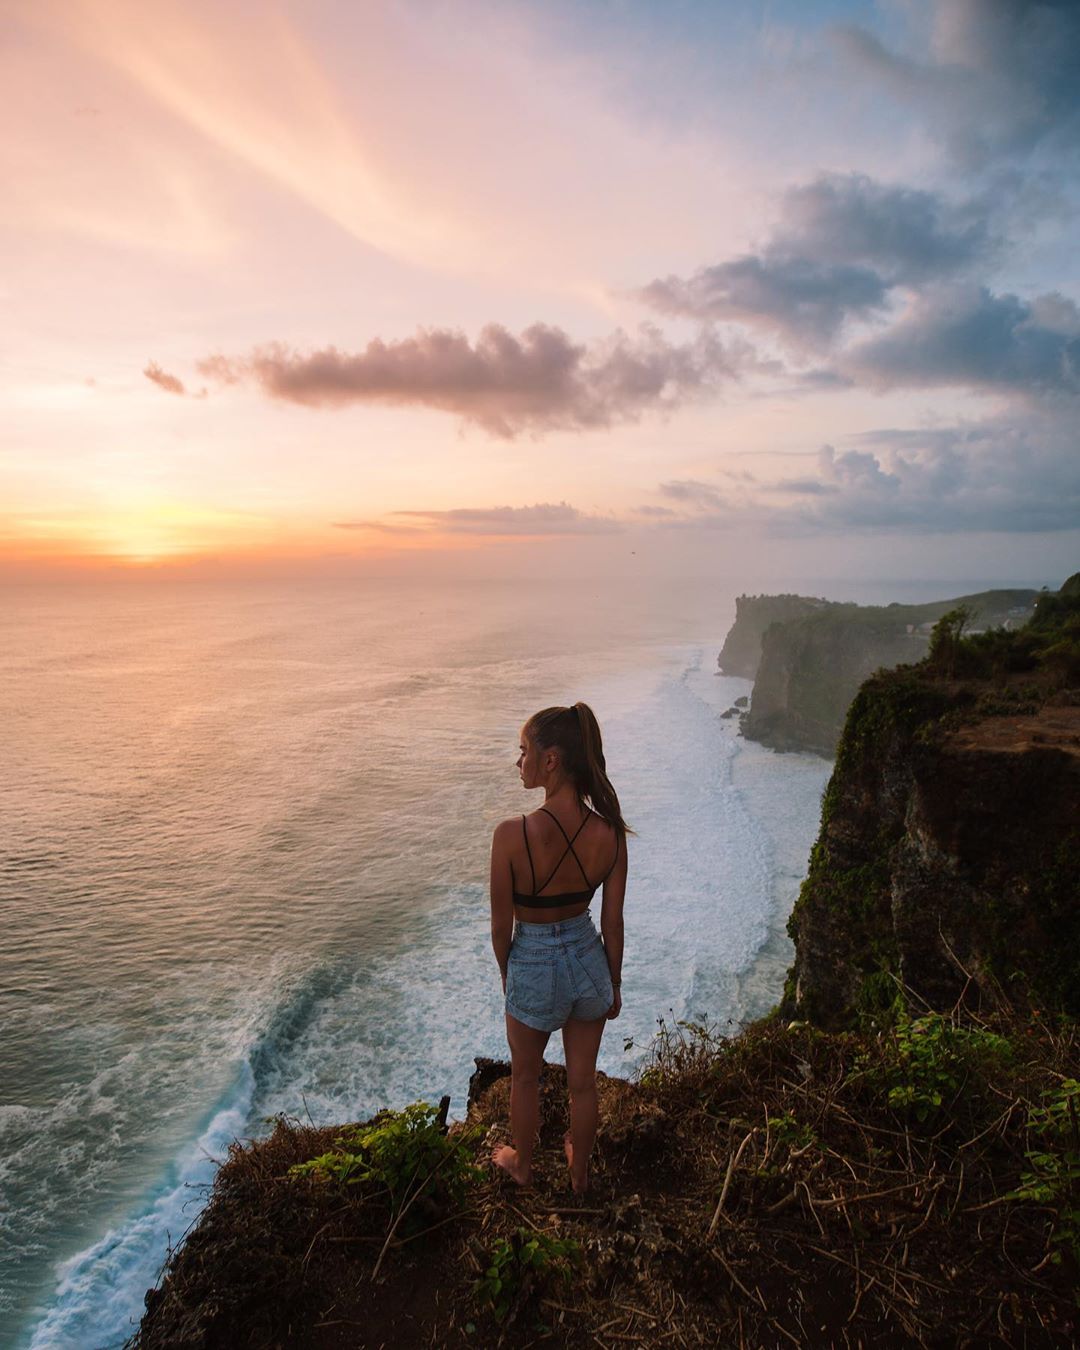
(811, 665)
(948, 862)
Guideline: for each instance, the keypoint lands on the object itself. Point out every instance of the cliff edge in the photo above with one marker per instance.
(948, 862)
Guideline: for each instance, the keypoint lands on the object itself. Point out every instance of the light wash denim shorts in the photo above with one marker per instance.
(557, 971)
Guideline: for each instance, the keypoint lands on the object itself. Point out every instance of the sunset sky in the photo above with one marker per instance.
(534, 287)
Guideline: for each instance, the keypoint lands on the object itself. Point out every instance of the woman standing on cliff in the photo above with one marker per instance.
(556, 972)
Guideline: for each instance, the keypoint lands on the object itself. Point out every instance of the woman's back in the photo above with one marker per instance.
(556, 858)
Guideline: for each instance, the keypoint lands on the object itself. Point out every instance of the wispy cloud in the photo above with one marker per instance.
(377, 526)
(542, 519)
(172, 384)
(692, 492)
(537, 382)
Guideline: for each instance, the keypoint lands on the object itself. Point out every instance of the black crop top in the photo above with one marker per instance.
(536, 900)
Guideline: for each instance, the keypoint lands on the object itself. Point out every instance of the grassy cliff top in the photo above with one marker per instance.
(987, 607)
(786, 1186)
(967, 678)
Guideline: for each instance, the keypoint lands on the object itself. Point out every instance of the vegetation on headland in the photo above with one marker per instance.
(912, 1186)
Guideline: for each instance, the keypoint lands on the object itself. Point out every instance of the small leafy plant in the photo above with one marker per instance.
(925, 1061)
(790, 1133)
(680, 1049)
(517, 1263)
(1053, 1175)
(405, 1152)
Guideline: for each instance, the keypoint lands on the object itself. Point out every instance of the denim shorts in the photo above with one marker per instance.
(557, 971)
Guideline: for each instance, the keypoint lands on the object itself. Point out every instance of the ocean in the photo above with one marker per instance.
(244, 837)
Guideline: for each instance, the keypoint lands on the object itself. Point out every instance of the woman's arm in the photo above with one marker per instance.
(611, 924)
(502, 896)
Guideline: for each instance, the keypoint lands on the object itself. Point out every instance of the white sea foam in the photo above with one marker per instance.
(99, 1292)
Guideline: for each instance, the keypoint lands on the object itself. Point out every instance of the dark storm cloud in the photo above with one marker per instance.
(844, 242)
(970, 337)
(1001, 76)
(537, 382)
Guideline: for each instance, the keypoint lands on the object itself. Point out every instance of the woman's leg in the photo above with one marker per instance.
(581, 1043)
(526, 1060)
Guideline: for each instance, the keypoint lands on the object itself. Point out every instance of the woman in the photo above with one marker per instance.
(556, 973)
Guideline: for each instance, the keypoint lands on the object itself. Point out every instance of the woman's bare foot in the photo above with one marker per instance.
(507, 1158)
(579, 1183)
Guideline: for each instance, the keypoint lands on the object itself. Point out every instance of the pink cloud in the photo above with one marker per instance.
(537, 382)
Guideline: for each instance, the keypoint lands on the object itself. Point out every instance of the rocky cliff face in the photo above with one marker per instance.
(811, 665)
(741, 652)
(810, 671)
(948, 861)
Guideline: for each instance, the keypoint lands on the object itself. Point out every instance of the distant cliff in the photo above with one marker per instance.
(741, 652)
(812, 664)
(948, 861)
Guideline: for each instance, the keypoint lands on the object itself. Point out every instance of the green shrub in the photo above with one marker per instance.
(946, 638)
(516, 1264)
(923, 1063)
(405, 1152)
(679, 1050)
(790, 1133)
(1053, 1174)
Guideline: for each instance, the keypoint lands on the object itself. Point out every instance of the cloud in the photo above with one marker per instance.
(537, 382)
(170, 383)
(798, 298)
(693, 492)
(1017, 472)
(906, 234)
(380, 526)
(805, 487)
(1001, 76)
(544, 518)
(844, 242)
(969, 337)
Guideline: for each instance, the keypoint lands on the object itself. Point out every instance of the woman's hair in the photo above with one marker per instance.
(575, 733)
